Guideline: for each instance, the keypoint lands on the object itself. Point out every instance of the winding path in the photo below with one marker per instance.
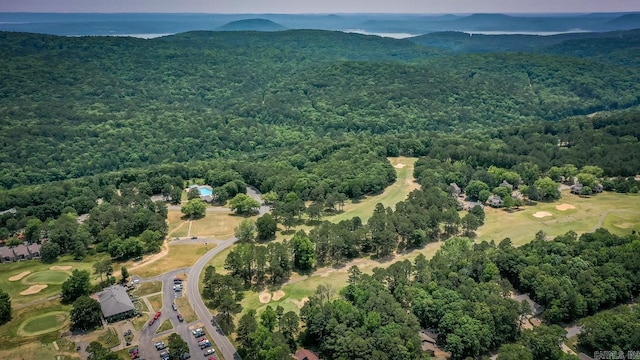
(607, 212)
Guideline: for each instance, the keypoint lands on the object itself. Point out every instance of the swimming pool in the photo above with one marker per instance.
(204, 191)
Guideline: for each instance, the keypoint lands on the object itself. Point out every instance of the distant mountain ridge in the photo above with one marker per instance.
(149, 23)
(251, 25)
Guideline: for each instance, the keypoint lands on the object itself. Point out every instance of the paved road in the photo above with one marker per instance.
(214, 333)
(193, 293)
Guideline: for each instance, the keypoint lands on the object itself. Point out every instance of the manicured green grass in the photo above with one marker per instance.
(521, 226)
(178, 256)
(622, 222)
(44, 323)
(46, 277)
(392, 195)
(13, 288)
(12, 336)
(140, 321)
(166, 325)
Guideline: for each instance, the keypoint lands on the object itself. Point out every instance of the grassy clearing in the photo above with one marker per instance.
(156, 302)
(217, 225)
(392, 195)
(166, 325)
(521, 226)
(179, 256)
(147, 288)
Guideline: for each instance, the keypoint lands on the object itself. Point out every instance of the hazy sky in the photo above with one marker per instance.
(320, 6)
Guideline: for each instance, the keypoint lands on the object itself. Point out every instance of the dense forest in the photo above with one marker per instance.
(131, 103)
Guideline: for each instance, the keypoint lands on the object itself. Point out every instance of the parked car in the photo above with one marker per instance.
(209, 352)
(151, 321)
(160, 345)
(204, 344)
(157, 315)
(174, 307)
(198, 332)
(164, 355)
(177, 287)
(186, 356)
(177, 280)
(180, 318)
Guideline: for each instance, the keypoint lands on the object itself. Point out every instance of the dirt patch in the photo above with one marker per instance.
(264, 297)
(278, 295)
(399, 165)
(34, 289)
(301, 303)
(19, 276)
(541, 214)
(60, 267)
(565, 207)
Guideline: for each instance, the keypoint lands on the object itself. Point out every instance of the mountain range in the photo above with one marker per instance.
(78, 24)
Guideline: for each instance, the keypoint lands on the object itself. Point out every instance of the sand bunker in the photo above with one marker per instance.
(264, 297)
(278, 295)
(563, 207)
(301, 303)
(19, 276)
(33, 289)
(60, 267)
(541, 214)
(399, 166)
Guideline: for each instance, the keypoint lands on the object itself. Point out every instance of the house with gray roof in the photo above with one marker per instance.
(115, 303)
(22, 253)
(6, 254)
(34, 250)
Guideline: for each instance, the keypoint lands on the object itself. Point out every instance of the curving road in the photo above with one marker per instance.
(193, 292)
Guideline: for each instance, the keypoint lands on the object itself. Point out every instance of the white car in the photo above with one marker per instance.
(209, 352)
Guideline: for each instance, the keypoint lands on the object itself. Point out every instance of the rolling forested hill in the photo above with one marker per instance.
(76, 106)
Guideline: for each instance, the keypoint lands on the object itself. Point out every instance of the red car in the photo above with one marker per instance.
(157, 315)
(151, 322)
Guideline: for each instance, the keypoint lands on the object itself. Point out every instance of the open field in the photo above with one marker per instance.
(621, 214)
(178, 256)
(392, 195)
(217, 225)
(37, 350)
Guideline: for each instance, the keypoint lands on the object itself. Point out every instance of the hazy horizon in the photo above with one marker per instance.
(325, 7)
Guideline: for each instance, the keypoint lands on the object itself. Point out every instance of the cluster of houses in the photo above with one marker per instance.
(577, 189)
(493, 200)
(19, 253)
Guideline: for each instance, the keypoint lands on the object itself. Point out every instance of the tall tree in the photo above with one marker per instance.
(266, 226)
(303, 252)
(5, 307)
(194, 208)
(246, 230)
(75, 286)
(177, 346)
(86, 313)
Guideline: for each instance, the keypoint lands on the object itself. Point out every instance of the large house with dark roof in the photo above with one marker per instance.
(115, 303)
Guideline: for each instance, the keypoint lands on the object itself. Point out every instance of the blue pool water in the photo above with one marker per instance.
(204, 191)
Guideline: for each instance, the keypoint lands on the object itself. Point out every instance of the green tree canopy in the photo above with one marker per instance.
(85, 314)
